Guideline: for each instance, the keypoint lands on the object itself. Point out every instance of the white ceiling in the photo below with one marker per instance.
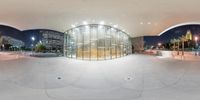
(137, 17)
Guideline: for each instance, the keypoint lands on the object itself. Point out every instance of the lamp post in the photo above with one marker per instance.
(159, 45)
(33, 39)
(196, 44)
(3, 47)
(158, 51)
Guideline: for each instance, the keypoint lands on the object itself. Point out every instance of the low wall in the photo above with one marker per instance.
(188, 55)
(175, 53)
(43, 55)
(169, 54)
(166, 54)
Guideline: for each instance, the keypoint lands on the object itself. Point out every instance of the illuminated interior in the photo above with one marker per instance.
(96, 42)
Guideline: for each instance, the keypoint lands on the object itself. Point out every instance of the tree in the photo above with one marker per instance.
(178, 45)
(1, 39)
(183, 40)
(40, 47)
(173, 41)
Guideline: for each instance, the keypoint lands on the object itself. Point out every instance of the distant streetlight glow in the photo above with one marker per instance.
(196, 38)
(159, 44)
(196, 41)
(33, 38)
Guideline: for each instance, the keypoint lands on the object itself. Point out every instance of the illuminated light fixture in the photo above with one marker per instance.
(159, 44)
(100, 26)
(141, 23)
(85, 23)
(149, 23)
(86, 26)
(115, 26)
(102, 23)
(73, 26)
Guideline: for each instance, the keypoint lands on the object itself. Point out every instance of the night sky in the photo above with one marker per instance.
(12, 32)
(173, 33)
(26, 35)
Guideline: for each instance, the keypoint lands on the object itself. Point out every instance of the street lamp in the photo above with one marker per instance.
(158, 49)
(159, 45)
(33, 39)
(196, 38)
(3, 46)
(196, 44)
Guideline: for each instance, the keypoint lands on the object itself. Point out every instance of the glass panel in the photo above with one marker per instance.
(124, 45)
(79, 44)
(69, 46)
(96, 42)
(93, 39)
(118, 44)
(73, 44)
(108, 43)
(101, 42)
(113, 43)
(86, 48)
(65, 44)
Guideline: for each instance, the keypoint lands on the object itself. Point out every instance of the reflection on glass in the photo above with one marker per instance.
(96, 42)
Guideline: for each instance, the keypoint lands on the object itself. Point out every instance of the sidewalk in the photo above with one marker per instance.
(5, 56)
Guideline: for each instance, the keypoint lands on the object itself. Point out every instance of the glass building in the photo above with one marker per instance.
(96, 42)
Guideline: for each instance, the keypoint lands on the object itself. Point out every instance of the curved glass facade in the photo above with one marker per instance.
(96, 42)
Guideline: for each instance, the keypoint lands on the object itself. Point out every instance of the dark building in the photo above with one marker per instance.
(52, 40)
(10, 38)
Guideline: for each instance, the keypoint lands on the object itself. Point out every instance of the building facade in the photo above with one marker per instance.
(96, 42)
(137, 44)
(52, 40)
(9, 43)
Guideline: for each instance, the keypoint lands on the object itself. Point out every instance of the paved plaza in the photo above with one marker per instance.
(135, 77)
